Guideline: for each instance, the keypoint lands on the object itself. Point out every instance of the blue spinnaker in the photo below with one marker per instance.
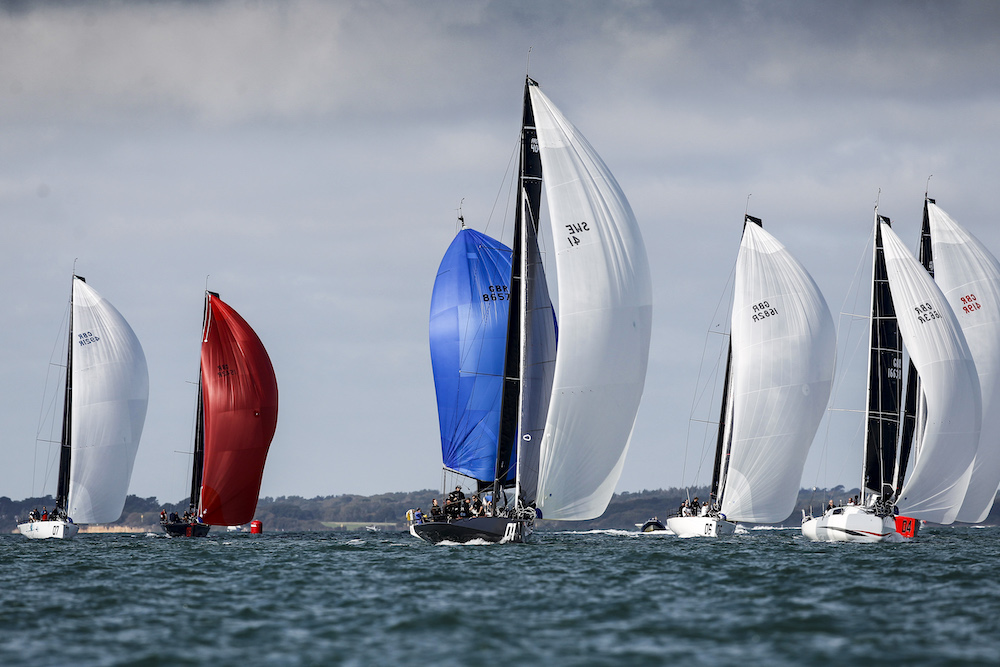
(468, 333)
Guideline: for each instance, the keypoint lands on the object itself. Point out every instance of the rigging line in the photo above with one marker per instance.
(509, 170)
(927, 187)
(527, 63)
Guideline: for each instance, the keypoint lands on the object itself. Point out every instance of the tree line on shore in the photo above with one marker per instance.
(294, 513)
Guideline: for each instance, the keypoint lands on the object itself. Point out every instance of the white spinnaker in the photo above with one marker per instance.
(604, 318)
(939, 475)
(969, 276)
(784, 351)
(110, 393)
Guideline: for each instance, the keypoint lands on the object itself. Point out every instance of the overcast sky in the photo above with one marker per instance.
(308, 158)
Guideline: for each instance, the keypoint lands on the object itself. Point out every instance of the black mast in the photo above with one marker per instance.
(198, 466)
(529, 194)
(912, 378)
(722, 445)
(66, 448)
(885, 371)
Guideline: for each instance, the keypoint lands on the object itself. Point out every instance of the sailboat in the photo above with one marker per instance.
(237, 412)
(557, 418)
(969, 276)
(106, 392)
(779, 372)
(940, 428)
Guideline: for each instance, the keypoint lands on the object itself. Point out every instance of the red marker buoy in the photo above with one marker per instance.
(256, 527)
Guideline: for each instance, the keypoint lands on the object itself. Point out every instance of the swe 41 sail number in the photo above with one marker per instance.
(575, 230)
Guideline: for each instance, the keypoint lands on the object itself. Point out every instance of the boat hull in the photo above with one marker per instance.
(486, 528)
(850, 524)
(700, 526)
(652, 525)
(48, 530)
(182, 529)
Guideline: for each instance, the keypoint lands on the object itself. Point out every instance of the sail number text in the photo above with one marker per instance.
(969, 303)
(496, 293)
(222, 370)
(926, 312)
(87, 338)
(896, 372)
(763, 310)
(575, 230)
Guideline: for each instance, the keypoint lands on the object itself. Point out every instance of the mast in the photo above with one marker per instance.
(913, 393)
(66, 447)
(198, 465)
(884, 391)
(529, 189)
(723, 442)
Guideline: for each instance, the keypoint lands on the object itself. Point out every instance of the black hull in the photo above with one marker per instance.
(487, 528)
(186, 529)
(652, 525)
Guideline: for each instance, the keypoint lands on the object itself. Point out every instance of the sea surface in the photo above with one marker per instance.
(767, 597)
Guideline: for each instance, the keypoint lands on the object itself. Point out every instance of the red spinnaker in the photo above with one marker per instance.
(240, 395)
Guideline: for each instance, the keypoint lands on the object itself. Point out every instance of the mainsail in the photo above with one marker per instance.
(604, 315)
(239, 401)
(468, 329)
(110, 390)
(949, 439)
(781, 372)
(969, 276)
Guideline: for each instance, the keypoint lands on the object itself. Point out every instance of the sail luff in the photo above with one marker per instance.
(66, 446)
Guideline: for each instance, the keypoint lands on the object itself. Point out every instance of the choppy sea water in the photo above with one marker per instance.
(767, 597)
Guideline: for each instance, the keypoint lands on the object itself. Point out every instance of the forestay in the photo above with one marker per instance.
(945, 453)
(783, 358)
(110, 393)
(969, 276)
(604, 315)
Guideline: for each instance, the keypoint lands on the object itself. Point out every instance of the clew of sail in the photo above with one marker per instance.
(604, 315)
(468, 329)
(783, 358)
(938, 350)
(969, 276)
(240, 398)
(110, 393)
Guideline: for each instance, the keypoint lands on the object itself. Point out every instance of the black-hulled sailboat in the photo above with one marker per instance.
(540, 430)
(237, 412)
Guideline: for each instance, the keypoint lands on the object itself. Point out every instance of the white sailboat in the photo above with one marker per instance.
(909, 309)
(778, 379)
(969, 276)
(106, 392)
(565, 411)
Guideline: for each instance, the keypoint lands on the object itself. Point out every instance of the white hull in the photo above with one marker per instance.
(700, 526)
(851, 524)
(45, 530)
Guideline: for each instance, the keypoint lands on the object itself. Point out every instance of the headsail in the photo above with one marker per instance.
(468, 329)
(937, 347)
(240, 399)
(969, 276)
(604, 315)
(109, 397)
(783, 357)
